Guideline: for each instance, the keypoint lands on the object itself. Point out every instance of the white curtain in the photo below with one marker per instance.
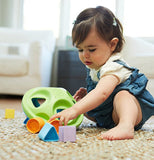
(11, 13)
(58, 16)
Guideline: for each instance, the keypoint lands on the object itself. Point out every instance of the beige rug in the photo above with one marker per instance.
(16, 143)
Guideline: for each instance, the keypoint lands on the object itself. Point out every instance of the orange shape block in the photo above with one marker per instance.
(55, 123)
(9, 113)
(34, 125)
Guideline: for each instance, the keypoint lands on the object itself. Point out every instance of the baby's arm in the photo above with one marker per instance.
(104, 88)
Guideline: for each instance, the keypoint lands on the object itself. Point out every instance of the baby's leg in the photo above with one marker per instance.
(126, 114)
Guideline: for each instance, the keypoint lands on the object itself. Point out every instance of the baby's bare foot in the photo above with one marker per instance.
(119, 132)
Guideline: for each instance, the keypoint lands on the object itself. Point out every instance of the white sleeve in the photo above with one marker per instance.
(115, 69)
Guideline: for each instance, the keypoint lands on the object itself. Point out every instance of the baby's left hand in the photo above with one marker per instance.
(65, 116)
(80, 94)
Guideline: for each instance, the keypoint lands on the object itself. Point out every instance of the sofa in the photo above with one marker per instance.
(140, 53)
(25, 60)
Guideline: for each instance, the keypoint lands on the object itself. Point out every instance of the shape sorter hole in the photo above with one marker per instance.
(38, 101)
(73, 101)
(59, 110)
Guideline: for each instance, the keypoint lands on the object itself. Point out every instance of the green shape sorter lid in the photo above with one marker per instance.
(46, 101)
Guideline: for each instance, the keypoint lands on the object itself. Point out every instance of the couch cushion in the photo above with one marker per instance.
(150, 86)
(14, 49)
(144, 63)
(140, 54)
(13, 65)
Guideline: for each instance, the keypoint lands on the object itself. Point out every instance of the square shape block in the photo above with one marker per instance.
(9, 113)
(67, 133)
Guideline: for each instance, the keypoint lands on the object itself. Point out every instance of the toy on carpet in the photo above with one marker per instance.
(54, 100)
(34, 125)
(67, 133)
(55, 123)
(38, 114)
(9, 113)
(26, 120)
(48, 133)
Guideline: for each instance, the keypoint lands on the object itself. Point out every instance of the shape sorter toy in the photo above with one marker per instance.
(9, 113)
(67, 133)
(54, 99)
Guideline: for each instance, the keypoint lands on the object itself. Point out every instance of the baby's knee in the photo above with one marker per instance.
(122, 93)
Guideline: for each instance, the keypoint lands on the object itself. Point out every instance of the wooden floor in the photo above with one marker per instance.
(11, 102)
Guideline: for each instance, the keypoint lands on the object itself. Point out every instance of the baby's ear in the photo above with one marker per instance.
(113, 43)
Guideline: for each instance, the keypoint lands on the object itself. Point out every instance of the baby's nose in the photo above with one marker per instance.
(86, 54)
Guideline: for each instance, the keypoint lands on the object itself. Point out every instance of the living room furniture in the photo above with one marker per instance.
(25, 60)
(71, 73)
(140, 53)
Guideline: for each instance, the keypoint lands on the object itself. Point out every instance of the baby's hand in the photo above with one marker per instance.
(65, 116)
(80, 94)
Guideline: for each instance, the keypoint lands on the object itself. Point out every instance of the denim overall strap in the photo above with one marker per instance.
(121, 63)
(124, 64)
(98, 74)
(90, 83)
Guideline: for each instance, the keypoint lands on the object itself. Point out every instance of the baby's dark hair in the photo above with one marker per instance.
(105, 23)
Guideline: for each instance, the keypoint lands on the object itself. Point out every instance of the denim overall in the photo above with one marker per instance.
(136, 85)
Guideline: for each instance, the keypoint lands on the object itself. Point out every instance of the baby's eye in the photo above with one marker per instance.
(80, 50)
(92, 50)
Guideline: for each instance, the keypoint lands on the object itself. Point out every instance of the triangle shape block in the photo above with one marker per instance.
(48, 133)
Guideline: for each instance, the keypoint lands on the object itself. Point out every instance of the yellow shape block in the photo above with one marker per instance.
(9, 113)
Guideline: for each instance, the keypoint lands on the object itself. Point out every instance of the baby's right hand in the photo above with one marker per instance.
(65, 116)
(80, 94)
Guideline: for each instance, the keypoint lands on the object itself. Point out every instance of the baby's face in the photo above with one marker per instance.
(94, 51)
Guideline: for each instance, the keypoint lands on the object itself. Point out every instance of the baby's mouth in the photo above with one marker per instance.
(87, 63)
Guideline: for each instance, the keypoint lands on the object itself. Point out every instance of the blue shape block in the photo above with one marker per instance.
(48, 133)
(26, 120)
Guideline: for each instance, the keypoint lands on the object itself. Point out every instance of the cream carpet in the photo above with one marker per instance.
(16, 143)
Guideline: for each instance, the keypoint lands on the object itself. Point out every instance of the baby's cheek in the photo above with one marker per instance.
(81, 58)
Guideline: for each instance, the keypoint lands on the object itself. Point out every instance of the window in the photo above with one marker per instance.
(59, 15)
(41, 15)
(138, 18)
(45, 14)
